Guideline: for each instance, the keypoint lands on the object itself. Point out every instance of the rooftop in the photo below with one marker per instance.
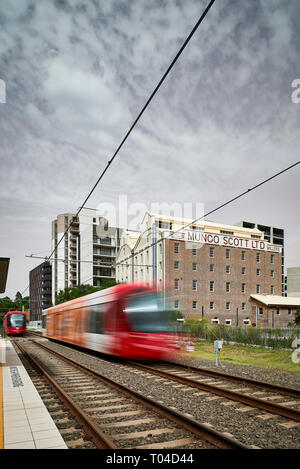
(276, 300)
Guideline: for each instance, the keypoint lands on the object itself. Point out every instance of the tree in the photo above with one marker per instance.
(6, 304)
(81, 290)
(297, 317)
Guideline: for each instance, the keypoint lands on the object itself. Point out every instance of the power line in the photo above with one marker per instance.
(25, 290)
(217, 208)
(139, 115)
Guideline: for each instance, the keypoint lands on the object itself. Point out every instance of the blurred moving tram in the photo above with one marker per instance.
(129, 320)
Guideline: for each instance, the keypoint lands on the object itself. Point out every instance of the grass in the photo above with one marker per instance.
(243, 355)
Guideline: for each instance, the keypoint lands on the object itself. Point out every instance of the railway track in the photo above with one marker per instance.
(116, 417)
(221, 384)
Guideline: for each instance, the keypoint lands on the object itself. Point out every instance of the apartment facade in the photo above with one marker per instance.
(87, 253)
(293, 281)
(40, 290)
(207, 269)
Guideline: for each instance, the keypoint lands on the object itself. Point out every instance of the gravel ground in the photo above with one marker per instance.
(283, 378)
(98, 401)
(243, 423)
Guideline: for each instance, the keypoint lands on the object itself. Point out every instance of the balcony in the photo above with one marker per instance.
(101, 253)
(104, 241)
(103, 264)
(105, 276)
(104, 272)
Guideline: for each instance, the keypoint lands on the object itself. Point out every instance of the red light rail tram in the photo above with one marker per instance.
(128, 320)
(14, 323)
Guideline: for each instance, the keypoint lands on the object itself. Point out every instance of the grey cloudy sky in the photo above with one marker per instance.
(77, 74)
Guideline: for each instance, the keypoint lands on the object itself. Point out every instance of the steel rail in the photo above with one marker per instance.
(218, 439)
(259, 384)
(271, 407)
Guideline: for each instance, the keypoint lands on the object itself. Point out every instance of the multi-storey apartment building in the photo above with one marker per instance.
(87, 253)
(40, 288)
(210, 269)
(293, 281)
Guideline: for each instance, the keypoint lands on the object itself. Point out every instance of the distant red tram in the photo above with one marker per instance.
(128, 320)
(14, 323)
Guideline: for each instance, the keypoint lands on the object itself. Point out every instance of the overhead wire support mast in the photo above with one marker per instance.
(139, 116)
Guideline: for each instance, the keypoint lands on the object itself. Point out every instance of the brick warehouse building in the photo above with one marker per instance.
(208, 269)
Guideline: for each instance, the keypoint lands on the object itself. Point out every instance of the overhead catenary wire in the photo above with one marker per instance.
(126, 264)
(138, 117)
(242, 194)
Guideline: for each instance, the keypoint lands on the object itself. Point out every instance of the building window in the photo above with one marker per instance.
(247, 322)
(215, 320)
(243, 288)
(176, 284)
(227, 269)
(272, 259)
(212, 268)
(289, 311)
(228, 305)
(228, 322)
(243, 255)
(194, 251)
(176, 304)
(257, 288)
(272, 273)
(258, 256)
(165, 225)
(227, 253)
(272, 290)
(244, 306)
(176, 248)
(243, 270)
(194, 304)
(211, 252)
(258, 272)
(176, 265)
(194, 266)
(212, 286)
(278, 311)
(211, 305)
(195, 285)
(227, 287)
(260, 311)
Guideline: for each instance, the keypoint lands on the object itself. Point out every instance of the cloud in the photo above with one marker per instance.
(78, 73)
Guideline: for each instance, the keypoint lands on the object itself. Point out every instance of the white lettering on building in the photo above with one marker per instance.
(221, 240)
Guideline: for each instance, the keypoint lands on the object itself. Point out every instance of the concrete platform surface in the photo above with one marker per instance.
(25, 422)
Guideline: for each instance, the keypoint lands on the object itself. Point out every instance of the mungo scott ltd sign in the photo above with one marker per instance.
(222, 240)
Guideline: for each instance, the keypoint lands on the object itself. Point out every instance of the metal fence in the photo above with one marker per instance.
(248, 335)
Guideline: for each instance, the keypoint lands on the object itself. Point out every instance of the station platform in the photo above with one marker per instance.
(25, 422)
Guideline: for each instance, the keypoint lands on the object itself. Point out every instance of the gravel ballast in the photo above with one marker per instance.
(243, 423)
